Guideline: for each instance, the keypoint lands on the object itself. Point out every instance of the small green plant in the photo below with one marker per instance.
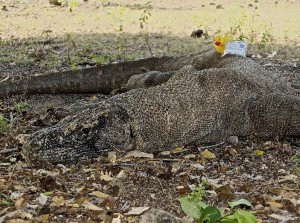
(71, 46)
(99, 60)
(238, 25)
(117, 15)
(72, 4)
(266, 37)
(294, 164)
(146, 14)
(3, 123)
(73, 65)
(5, 200)
(295, 159)
(20, 107)
(193, 206)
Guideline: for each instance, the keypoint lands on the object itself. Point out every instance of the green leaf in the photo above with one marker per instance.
(244, 216)
(229, 219)
(47, 193)
(210, 214)
(239, 202)
(191, 207)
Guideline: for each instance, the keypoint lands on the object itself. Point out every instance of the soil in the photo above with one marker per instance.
(267, 173)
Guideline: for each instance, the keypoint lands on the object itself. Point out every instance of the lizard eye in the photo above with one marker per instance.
(86, 130)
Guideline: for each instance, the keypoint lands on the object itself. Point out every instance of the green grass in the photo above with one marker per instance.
(3, 124)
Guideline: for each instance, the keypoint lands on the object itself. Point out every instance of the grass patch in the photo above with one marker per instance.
(4, 123)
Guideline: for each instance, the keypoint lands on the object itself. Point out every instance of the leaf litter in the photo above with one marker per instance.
(111, 191)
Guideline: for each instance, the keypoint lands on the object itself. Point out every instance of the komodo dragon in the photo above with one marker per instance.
(205, 102)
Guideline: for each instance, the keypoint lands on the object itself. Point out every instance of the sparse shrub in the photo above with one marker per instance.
(99, 60)
(3, 124)
(71, 46)
(146, 14)
(238, 25)
(266, 37)
(20, 107)
(117, 15)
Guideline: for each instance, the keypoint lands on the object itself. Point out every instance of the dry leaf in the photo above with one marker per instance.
(223, 168)
(32, 188)
(197, 166)
(78, 190)
(176, 166)
(208, 155)
(138, 154)
(232, 151)
(177, 150)
(282, 218)
(58, 200)
(116, 220)
(274, 205)
(99, 194)
(110, 202)
(287, 178)
(49, 173)
(19, 203)
(225, 192)
(268, 143)
(44, 217)
(137, 210)
(42, 199)
(165, 153)
(22, 138)
(18, 213)
(190, 156)
(290, 195)
(73, 205)
(90, 206)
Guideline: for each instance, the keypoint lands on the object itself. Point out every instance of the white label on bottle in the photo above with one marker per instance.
(235, 48)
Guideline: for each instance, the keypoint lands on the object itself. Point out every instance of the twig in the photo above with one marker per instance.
(5, 79)
(211, 146)
(160, 184)
(9, 150)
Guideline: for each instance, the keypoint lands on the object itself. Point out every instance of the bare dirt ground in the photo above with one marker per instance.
(37, 37)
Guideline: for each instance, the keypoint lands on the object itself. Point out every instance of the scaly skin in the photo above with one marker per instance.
(229, 96)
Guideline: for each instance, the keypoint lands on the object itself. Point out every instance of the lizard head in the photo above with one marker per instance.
(82, 136)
